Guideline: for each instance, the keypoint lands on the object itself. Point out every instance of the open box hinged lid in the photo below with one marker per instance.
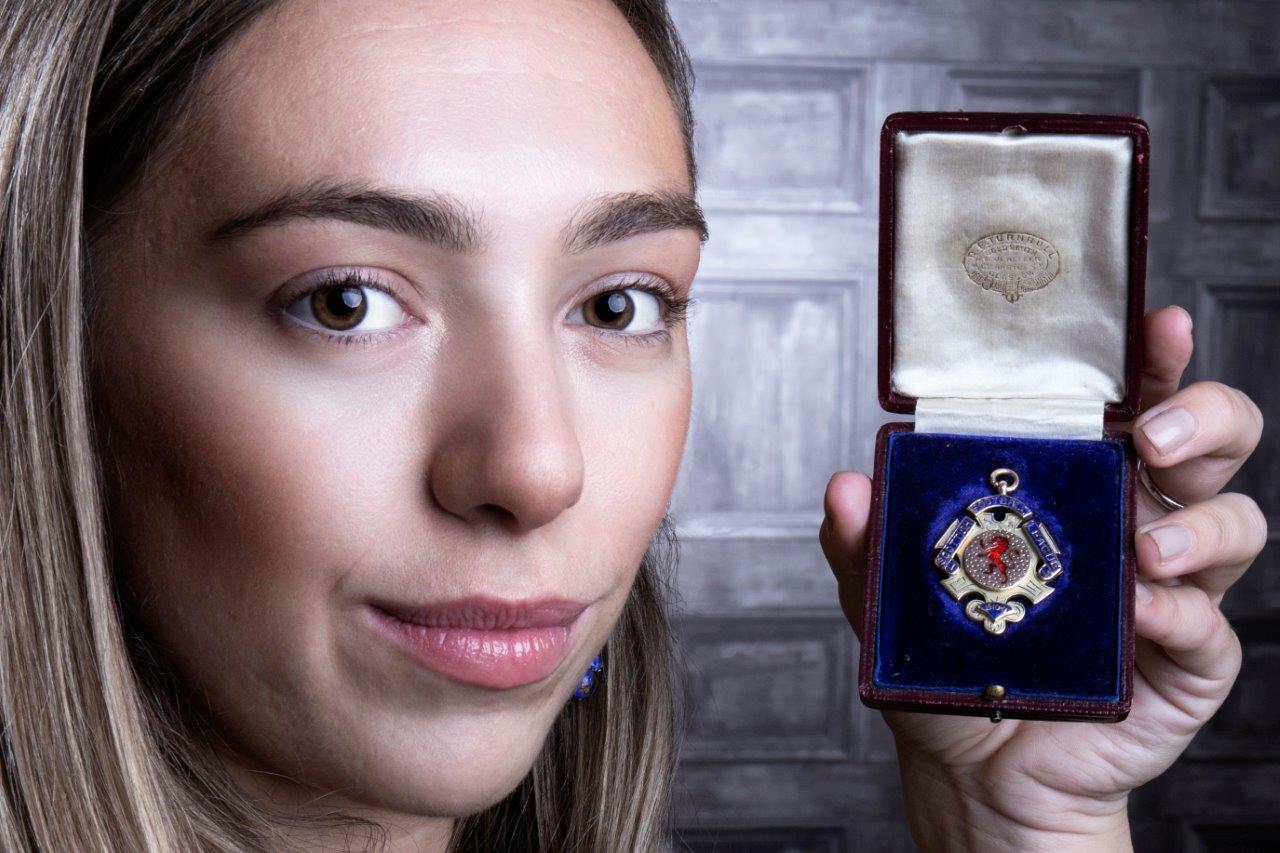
(1012, 270)
(1012, 278)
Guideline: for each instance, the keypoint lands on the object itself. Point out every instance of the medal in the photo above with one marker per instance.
(998, 551)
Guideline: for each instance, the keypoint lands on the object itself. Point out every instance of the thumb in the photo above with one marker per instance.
(843, 537)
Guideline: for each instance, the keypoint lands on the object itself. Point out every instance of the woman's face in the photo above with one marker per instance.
(358, 357)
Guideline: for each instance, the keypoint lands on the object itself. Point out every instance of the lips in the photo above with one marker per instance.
(483, 641)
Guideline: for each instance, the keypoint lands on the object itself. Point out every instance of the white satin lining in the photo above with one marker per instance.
(1026, 416)
(977, 363)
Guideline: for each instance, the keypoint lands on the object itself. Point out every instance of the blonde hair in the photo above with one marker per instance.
(98, 749)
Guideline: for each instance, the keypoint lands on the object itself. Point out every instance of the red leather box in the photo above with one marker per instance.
(1012, 271)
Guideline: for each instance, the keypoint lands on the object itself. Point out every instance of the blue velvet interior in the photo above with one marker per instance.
(1067, 646)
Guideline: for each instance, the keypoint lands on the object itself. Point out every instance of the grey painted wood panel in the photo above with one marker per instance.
(769, 685)
(790, 99)
(1240, 344)
(1062, 90)
(779, 136)
(747, 574)
(1242, 147)
(1236, 35)
(772, 369)
(795, 839)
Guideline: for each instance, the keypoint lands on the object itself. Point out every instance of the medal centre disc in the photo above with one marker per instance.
(997, 559)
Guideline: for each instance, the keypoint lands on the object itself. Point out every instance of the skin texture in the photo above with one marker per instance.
(267, 482)
(1065, 785)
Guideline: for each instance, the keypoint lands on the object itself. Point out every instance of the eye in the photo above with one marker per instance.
(348, 305)
(632, 310)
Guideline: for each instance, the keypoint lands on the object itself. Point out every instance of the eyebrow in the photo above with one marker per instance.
(444, 220)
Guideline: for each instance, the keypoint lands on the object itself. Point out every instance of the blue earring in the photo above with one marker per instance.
(588, 683)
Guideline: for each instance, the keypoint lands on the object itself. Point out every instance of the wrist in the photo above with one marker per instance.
(949, 810)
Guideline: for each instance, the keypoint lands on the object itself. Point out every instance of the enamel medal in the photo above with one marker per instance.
(998, 551)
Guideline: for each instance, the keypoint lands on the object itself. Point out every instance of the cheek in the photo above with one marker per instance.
(242, 493)
(633, 440)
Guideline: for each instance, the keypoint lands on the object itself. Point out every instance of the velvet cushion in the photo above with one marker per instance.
(1070, 645)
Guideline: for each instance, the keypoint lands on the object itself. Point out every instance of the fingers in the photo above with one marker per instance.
(843, 536)
(1167, 352)
(1194, 634)
(1197, 438)
(1208, 544)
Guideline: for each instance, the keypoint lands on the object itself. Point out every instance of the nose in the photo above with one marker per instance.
(510, 454)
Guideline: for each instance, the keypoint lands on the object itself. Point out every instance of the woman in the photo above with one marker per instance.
(346, 386)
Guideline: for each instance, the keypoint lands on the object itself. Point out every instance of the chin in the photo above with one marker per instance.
(446, 791)
(438, 774)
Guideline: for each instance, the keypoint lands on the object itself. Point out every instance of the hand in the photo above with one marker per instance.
(1067, 783)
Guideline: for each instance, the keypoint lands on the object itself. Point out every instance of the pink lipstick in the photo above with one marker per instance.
(483, 641)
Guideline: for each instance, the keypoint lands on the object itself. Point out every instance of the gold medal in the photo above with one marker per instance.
(997, 550)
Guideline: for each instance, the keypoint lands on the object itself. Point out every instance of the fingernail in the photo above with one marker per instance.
(1172, 540)
(1143, 592)
(1169, 429)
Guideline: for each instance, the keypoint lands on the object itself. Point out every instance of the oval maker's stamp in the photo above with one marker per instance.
(1011, 263)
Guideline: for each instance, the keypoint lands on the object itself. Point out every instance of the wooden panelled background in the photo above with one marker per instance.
(781, 756)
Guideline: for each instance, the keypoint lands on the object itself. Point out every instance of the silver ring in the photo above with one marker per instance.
(1155, 491)
(1005, 480)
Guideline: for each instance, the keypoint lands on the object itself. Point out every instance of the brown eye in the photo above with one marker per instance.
(612, 310)
(347, 307)
(627, 310)
(339, 308)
